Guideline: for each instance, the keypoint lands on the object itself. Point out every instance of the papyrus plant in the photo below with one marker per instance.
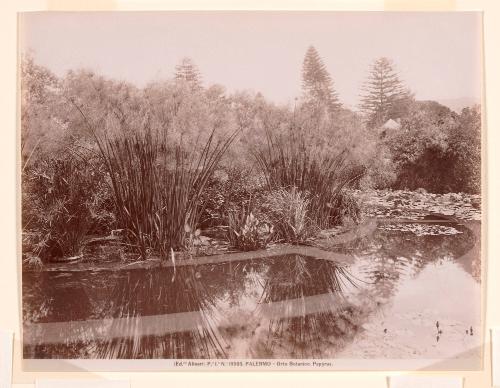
(157, 184)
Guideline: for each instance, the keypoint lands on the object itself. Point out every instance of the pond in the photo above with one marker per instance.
(406, 294)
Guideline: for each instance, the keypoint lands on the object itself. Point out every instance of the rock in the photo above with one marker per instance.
(434, 216)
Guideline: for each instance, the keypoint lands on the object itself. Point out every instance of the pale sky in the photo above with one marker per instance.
(438, 55)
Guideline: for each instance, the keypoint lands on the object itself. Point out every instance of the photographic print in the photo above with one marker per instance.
(294, 190)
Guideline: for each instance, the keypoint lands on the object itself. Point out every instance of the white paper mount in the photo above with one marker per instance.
(6, 342)
(495, 356)
(425, 382)
(65, 383)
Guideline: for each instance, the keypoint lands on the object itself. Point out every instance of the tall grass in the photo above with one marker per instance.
(295, 160)
(288, 212)
(157, 185)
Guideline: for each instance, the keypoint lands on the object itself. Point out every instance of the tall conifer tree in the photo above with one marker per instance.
(188, 72)
(384, 94)
(317, 84)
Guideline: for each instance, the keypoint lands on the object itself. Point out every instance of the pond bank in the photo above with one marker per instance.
(364, 229)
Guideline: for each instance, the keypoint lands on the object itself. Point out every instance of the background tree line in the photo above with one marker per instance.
(432, 139)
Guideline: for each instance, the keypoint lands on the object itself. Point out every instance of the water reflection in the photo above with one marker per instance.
(319, 309)
(281, 307)
(387, 257)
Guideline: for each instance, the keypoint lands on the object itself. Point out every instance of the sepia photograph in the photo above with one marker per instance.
(232, 189)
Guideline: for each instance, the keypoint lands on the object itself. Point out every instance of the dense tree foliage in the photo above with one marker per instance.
(437, 149)
(40, 95)
(465, 152)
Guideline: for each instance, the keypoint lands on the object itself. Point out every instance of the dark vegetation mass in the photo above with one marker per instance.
(164, 165)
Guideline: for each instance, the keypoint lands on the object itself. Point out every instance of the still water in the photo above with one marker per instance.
(404, 295)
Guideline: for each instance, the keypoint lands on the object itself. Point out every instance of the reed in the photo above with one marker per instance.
(157, 184)
(287, 210)
(294, 160)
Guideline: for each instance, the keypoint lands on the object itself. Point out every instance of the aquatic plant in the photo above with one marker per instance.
(288, 212)
(33, 262)
(192, 242)
(293, 159)
(346, 207)
(64, 198)
(246, 232)
(157, 184)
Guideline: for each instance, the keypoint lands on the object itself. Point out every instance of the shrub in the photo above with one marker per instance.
(228, 188)
(288, 212)
(246, 232)
(63, 200)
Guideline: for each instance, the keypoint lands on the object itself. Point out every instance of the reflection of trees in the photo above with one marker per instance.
(393, 254)
(407, 244)
(312, 312)
(60, 296)
(56, 297)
